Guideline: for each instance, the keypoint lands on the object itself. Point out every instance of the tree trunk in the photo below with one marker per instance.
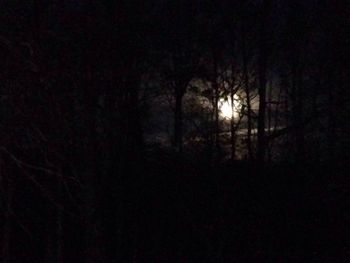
(261, 120)
(297, 109)
(262, 108)
(216, 97)
(93, 249)
(262, 82)
(7, 188)
(232, 128)
(300, 118)
(178, 119)
(59, 227)
(123, 148)
(232, 121)
(247, 91)
(216, 111)
(331, 134)
(269, 119)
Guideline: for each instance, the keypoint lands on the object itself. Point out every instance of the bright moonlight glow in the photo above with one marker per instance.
(225, 107)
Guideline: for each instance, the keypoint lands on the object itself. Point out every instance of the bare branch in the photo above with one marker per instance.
(36, 167)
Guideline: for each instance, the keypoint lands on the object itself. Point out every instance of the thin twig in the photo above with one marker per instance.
(36, 167)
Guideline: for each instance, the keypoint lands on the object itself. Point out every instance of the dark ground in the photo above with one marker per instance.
(180, 211)
(187, 212)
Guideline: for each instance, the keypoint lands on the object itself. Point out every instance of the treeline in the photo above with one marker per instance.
(270, 58)
(72, 112)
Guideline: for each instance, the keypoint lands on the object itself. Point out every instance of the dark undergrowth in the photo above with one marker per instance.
(170, 209)
(239, 212)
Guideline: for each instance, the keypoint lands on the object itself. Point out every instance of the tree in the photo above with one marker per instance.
(262, 65)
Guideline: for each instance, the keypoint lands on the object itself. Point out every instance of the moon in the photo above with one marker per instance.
(225, 107)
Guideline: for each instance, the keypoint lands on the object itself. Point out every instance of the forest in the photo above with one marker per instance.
(174, 131)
